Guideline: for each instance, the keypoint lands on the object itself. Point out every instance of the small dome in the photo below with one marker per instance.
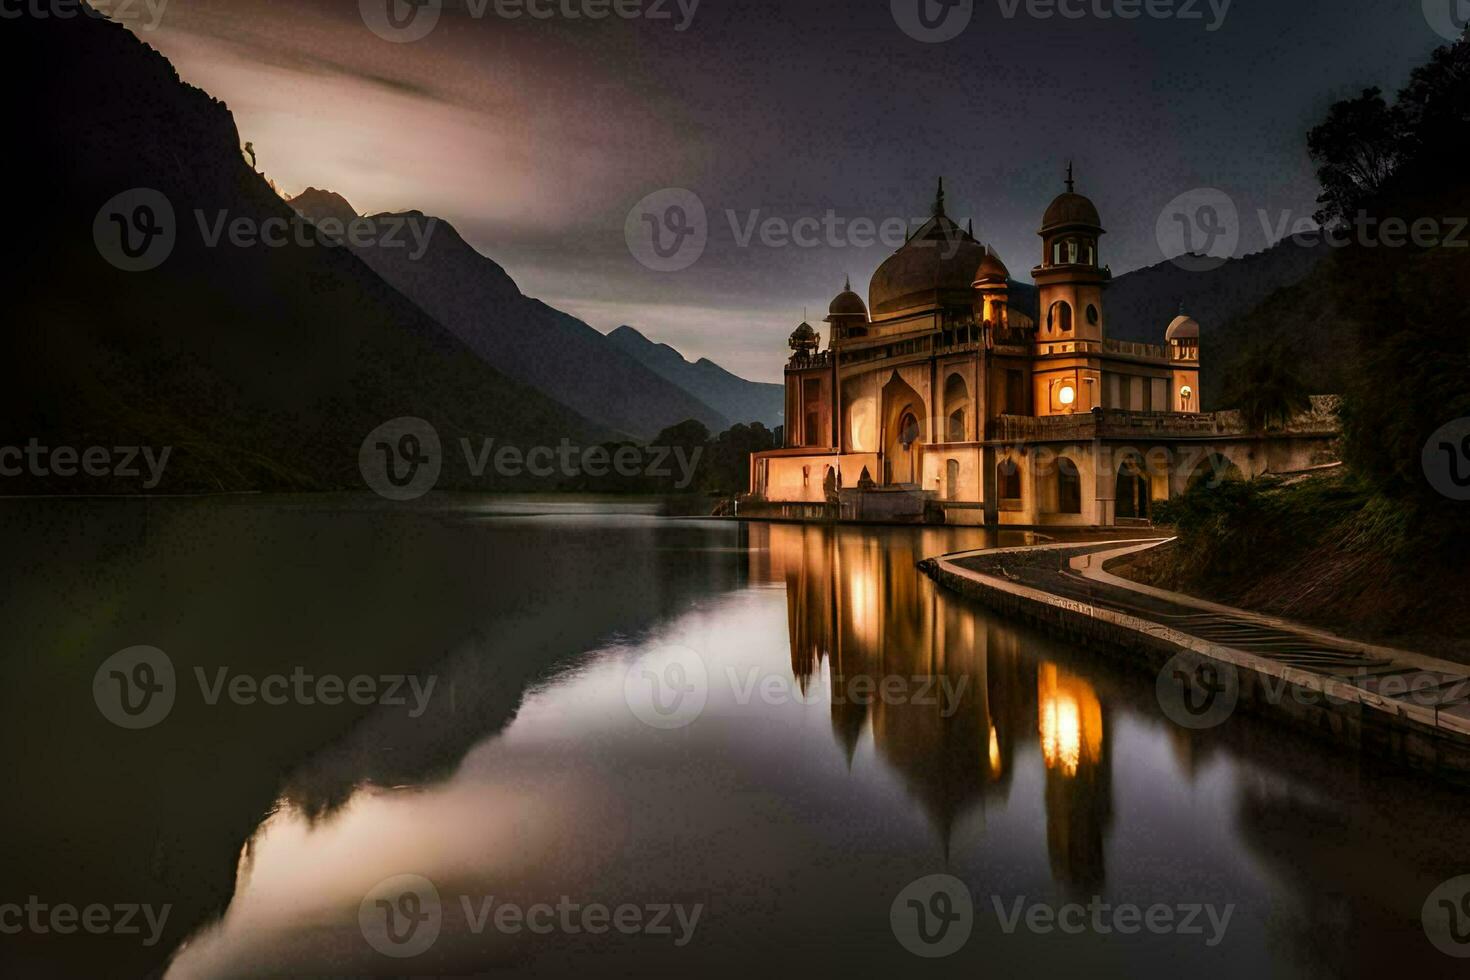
(992, 269)
(804, 337)
(1183, 328)
(1071, 210)
(847, 303)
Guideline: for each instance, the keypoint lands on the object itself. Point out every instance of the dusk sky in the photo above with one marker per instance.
(537, 137)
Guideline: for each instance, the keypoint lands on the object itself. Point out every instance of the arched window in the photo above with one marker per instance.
(1060, 317)
(956, 404)
(908, 429)
(1071, 251)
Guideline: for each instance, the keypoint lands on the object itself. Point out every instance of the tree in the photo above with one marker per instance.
(1435, 109)
(1356, 150)
(1264, 387)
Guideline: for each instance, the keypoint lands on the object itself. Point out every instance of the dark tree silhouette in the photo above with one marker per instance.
(1356, 150)
(1265, 388)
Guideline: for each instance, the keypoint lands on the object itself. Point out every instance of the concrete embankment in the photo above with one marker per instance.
(1210, 661)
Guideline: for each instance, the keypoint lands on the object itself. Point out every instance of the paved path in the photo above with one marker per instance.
(1394, 683)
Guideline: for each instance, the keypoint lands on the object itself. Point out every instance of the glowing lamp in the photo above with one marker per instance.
(1068, 395)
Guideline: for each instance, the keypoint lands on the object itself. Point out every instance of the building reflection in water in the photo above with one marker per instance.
(1072, 724)
(859, 613)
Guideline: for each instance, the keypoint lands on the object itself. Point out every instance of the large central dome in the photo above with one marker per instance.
(935, 267)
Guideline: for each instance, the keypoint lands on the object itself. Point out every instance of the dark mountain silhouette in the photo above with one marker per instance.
(474, 297)
(262, 366)
(736, 398)
(1142, 304)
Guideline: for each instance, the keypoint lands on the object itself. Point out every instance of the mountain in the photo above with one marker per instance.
(1142, 304)
(734, 397)
(476, 299)
(261, 366)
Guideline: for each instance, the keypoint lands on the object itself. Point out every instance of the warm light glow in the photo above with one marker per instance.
(1068, 395)
(1186, 393)
(1061, 734)
(994, 752)
(1070, 721)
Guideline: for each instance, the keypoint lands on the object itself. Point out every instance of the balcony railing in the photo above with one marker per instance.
(1135, 349)
(806, 362)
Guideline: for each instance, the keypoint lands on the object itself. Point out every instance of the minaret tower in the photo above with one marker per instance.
(1071, 276)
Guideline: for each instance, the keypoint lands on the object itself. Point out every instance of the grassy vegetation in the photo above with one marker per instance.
(1330, 550)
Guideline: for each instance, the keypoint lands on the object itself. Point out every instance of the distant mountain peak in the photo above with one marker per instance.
(739, 399)
(316, 204)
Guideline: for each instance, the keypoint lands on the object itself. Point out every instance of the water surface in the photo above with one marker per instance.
(793, 810)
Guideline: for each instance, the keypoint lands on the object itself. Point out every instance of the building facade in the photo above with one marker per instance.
(956, 394)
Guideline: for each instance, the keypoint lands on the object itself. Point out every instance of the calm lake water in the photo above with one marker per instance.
(742, 742)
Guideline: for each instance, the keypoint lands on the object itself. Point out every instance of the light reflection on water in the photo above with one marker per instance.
(795, 817)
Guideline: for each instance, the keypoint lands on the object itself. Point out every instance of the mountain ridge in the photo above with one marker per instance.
(553, 351)
(262, 366)
(739, 399)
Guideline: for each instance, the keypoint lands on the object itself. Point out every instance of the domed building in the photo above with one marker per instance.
(957, 393)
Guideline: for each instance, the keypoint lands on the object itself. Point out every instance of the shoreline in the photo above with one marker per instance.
(1340, 690)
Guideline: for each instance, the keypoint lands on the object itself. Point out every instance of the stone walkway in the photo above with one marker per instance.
(1068, 586)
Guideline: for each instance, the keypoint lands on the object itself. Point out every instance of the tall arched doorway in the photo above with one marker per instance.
(903, 432)
(1131, 492)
